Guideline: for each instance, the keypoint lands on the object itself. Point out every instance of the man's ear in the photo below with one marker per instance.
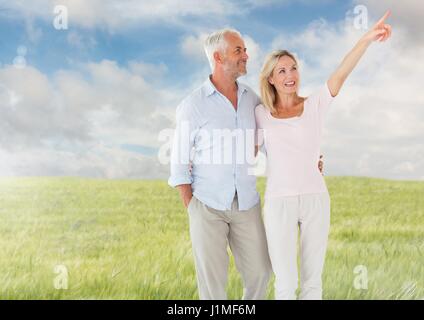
(217, 57)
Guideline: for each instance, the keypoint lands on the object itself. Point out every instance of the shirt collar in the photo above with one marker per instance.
(209, 87)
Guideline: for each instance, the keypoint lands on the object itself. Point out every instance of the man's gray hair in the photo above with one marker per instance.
(216, 42)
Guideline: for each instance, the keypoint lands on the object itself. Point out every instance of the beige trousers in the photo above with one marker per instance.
(211, 232)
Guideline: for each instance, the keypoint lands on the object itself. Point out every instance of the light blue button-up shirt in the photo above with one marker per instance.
(219, 142)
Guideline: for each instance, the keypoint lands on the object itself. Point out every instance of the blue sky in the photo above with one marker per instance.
(94, 99)
(151, 42)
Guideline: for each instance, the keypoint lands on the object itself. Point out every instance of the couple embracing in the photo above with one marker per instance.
(223, 204)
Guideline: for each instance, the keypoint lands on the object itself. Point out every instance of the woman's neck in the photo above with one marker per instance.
(286, 101)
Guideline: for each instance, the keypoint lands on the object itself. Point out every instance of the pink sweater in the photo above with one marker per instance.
(293, 147)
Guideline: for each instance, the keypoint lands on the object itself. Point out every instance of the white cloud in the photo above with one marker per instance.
(72, 123)
(405, 14)
(256, 58)
(34, 33)
(81, 41)
(113, 15)
(147, 70)
(75, 121)
(192, 47)
(97, 161)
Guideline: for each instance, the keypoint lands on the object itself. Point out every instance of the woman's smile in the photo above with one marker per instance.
(290, 84)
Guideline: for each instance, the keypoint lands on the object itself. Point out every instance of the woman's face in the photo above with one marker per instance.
(285, 76)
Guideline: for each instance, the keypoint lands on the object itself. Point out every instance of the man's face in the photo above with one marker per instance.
(235, 57)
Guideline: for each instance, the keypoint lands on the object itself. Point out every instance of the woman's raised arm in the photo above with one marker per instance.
(380, 31)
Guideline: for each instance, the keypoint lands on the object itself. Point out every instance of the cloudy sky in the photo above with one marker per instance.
(97, 98)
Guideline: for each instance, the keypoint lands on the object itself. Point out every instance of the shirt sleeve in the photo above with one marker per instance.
(257, 99)
(259, 132)
(323, 99)
(182, 145)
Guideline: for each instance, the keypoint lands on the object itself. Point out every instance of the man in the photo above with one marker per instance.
(220, 196)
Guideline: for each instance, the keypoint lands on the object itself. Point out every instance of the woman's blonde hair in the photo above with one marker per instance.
(268, 92)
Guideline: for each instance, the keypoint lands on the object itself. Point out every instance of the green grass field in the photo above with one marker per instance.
(128, 239)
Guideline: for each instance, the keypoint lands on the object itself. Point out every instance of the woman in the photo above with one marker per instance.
(296, 195)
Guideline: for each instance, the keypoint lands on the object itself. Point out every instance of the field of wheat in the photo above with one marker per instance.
(77, 238)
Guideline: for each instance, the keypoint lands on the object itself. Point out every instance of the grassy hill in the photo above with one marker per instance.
(128, 239)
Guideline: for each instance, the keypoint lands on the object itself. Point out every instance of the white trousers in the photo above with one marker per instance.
(283, 217)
